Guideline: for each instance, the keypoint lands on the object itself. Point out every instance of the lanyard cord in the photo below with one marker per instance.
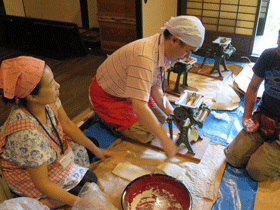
(59, 139)
(162, 80)
(162, 76)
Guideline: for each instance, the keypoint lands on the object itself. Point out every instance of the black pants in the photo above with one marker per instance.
(90, 155)
(88, 177)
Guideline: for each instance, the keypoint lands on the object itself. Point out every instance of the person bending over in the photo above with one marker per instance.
(128, 89)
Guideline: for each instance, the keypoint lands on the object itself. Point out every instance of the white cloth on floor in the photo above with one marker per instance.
(202, 179)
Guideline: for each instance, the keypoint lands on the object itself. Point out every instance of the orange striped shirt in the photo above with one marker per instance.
(132, 70)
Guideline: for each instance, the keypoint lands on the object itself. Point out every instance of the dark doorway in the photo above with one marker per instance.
(2, 8)
(268, 29)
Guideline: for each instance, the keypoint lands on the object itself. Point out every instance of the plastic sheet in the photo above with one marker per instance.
(226, 129)
(93, 199)
(100, 132)
(225, 98)
(223, 116)
(22, 203)
(212, 61)
(237, 190)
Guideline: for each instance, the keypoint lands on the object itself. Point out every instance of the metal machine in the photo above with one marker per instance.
(181, 67)
(190, 111)
(221, 49)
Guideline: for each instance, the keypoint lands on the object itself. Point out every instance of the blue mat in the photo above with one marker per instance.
(237, 189)
(212, 61)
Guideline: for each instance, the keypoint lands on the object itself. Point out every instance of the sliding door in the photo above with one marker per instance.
(262, 17)
(236, 19)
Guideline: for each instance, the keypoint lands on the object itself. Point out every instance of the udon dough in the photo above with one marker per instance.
(172, 169)
(129, 171)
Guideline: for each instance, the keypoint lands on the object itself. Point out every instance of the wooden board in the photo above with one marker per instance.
(199, 146)
(207, 68)
(83, 116)
(170, 89)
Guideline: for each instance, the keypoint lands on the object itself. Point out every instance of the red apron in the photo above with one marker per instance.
(268, 127)
(113, 109)
(18, 176)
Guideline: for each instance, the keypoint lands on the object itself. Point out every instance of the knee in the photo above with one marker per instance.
(256, 172)
(94, 178)
(136, 133)
(234, 159)
(90, 176)
(144, 137)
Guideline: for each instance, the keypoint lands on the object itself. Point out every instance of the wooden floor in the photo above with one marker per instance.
(74, 76)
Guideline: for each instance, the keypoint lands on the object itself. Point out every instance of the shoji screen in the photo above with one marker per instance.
(230, 17)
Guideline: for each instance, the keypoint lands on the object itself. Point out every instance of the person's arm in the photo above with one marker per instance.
(157, 94)
(72, 130)
(39, 176)
(250, 100)
(149, 121)
(55, 195)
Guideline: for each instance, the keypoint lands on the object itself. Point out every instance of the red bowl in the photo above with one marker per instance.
(156, 192)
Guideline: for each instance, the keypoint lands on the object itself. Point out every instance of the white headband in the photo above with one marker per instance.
(189, 29)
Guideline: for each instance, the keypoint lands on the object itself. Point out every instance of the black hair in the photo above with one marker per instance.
(23, 101)
(167, 35)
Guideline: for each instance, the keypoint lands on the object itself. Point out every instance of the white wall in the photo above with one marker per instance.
(92, 13)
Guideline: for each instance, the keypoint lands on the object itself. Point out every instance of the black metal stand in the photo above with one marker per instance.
(178, 68)
(220, 52)
(186, 120)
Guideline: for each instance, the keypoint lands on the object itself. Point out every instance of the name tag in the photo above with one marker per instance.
(164, 101)
(67, 158)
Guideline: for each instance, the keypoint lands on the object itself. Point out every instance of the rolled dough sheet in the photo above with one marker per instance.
(129, 171)
(172, 169)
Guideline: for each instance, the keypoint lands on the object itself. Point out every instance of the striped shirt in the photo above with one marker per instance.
(132, 70)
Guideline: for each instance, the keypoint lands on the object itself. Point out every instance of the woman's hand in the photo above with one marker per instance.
(102, 153)
(250, 125)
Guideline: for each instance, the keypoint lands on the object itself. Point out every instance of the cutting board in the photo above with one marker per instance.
(198, 146)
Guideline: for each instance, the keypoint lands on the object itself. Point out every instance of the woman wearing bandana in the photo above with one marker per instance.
(257, 146)
(38, 157)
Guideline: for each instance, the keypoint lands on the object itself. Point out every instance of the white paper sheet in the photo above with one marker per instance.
(243, 79)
